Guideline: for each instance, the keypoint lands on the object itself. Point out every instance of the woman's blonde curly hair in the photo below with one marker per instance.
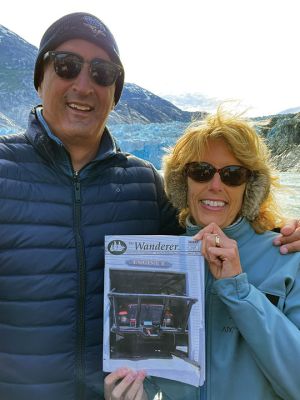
(259, 205)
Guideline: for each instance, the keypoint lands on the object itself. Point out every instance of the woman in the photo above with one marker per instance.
(219, 177)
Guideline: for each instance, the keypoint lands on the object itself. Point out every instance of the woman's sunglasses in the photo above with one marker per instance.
(68, 65)
(231, 175)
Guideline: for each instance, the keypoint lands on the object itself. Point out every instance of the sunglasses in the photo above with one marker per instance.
(68, 65)
(231, 175)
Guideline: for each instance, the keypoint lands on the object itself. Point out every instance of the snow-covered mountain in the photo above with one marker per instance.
(290, 110)
(192, 101)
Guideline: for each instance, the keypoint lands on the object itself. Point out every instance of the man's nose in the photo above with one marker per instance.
(83, 82)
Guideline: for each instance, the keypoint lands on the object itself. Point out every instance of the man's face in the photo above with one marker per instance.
(76, 109)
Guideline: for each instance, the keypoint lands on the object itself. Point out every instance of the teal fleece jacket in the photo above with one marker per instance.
(252, 327)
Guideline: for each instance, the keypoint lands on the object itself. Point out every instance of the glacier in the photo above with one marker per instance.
(148, 142)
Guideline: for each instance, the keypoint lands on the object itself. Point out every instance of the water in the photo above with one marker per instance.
(289, 197)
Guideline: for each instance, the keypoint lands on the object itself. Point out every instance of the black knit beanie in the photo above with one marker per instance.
(78, 26)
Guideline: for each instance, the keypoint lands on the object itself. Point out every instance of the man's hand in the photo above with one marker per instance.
(289, 237)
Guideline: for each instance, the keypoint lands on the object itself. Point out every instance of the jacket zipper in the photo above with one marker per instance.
(80, 367)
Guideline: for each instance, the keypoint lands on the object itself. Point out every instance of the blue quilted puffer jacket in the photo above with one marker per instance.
(53, 223)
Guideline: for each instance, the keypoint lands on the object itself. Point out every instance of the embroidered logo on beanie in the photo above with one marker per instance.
(95, 25)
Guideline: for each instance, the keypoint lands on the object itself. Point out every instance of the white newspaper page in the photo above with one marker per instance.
(154, 306)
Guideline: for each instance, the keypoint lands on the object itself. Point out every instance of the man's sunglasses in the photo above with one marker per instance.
(68, 65)
(231, 175)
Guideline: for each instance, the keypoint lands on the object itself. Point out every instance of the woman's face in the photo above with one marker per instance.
(214, 201)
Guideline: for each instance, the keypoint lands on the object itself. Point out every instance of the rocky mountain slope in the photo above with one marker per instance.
(17, 94)
(282, 133)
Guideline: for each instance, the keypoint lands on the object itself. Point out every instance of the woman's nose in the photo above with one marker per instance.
(215, 182)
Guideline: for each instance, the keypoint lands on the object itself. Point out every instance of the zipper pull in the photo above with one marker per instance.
(77, 186)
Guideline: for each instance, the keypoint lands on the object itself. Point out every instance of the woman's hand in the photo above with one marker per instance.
(220, 252)
(125, 384)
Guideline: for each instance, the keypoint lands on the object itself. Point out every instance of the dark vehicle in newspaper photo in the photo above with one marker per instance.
(149, 314)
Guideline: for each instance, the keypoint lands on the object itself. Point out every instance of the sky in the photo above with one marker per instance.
(242, 50)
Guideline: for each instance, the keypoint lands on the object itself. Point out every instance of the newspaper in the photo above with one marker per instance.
(154, 306)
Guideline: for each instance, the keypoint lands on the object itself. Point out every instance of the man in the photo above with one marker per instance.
(64, 185)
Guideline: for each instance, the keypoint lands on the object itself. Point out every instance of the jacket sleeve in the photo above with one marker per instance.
(168, 214)
(272, 335)
(166, 389)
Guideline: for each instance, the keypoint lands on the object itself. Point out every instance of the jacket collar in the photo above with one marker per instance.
(241, 230)
(51, 147)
